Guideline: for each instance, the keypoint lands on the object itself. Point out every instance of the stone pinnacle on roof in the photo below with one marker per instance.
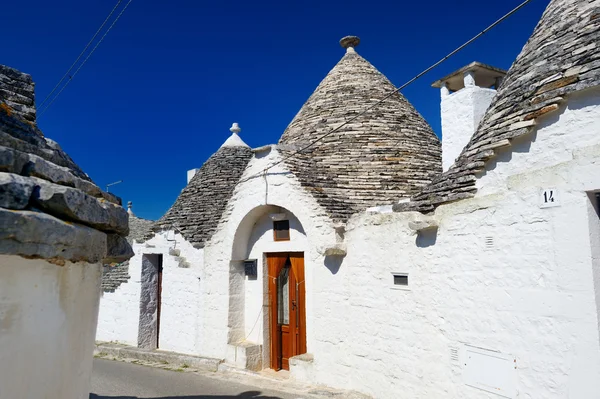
(235, 128)
(349, 43)
(234, 140)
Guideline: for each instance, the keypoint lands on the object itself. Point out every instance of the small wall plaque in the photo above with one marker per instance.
(250, 267)
(549, 198)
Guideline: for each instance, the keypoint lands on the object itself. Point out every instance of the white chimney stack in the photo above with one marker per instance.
(466, 95)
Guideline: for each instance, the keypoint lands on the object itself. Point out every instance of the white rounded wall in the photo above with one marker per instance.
(48, 315)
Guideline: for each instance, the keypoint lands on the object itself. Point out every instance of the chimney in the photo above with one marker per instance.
(466, 95)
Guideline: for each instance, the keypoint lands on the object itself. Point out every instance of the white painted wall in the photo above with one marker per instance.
(461, 113)
(180, 306)
(48, 315)
(502, 274)
(224, 310)
(557, 140)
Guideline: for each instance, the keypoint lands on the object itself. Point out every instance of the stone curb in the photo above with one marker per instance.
(188, 363)
(177, 359)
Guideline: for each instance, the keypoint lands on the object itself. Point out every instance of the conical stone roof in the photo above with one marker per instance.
(387, 153)
(200, 206)
(560, 58)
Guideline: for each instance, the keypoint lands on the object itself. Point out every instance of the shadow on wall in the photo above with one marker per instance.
(426, 238)
(333, 263)
(244, 395)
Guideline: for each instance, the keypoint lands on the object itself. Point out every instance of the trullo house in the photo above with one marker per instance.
(57, 228)
(381, 260)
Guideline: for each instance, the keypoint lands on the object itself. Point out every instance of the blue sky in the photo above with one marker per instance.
(158, 96)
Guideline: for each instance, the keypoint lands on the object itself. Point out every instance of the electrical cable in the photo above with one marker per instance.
(86, 59)
(310, 144)
(80, 54)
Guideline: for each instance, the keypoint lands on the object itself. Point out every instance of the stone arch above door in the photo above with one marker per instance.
(248, 319)
(258, 222)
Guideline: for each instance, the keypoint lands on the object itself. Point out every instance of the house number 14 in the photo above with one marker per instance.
(549, 198)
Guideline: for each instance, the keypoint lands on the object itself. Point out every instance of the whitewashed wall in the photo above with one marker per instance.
(501, 278)
(180, 305)
(48, 315)
(501, 274)
(243, 223)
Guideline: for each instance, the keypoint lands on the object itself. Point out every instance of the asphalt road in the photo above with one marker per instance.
(119, 380)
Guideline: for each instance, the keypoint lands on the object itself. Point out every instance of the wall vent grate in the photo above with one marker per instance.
(454, 355)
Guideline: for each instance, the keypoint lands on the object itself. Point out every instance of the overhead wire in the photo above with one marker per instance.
(391, 93)
(88, 56)
(81, 54)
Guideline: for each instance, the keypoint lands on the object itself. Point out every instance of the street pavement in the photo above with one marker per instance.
(120, 380)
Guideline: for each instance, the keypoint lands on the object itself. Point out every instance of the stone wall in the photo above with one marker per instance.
(17, 91)
(56, 227)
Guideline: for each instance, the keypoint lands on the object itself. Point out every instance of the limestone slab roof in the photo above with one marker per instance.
(387, 153)
(562, 56)
(201, 204)
(139, 228)
(49, 208)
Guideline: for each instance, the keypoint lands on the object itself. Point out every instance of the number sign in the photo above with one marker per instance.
(549, 198)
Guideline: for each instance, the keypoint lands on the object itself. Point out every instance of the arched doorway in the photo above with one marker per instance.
(268, 309)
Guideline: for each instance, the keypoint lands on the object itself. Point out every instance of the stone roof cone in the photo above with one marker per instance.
(557, 60)
(199, 207)
(386, 153)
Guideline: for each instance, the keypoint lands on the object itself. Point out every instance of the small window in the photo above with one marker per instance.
(401, 280)
(281, 230)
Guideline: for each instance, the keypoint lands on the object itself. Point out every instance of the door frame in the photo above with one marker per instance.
(275, 262)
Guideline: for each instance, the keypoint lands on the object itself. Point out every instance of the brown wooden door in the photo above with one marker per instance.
(287, 307)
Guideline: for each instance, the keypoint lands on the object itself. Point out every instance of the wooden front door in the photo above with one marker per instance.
(287, 307)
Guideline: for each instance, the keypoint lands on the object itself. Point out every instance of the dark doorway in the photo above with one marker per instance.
(149, 326)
